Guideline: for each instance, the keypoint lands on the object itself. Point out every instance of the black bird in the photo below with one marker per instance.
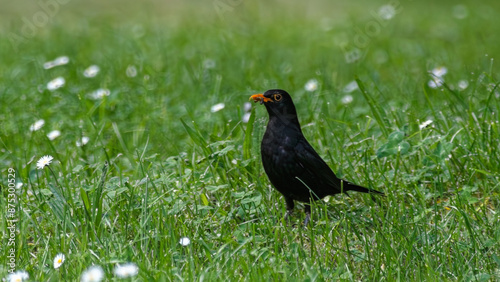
(290, 162)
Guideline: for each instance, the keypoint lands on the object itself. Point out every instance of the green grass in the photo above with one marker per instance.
(159, 165)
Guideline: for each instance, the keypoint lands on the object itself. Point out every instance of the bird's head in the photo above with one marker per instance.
(278, 104)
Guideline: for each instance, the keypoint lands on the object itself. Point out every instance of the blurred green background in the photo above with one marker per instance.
(253, 45)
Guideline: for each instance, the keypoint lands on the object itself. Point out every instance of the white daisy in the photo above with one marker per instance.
(350, 87)
(37, 125)
(62, 60)
(59, 61)
(92, 274)
(83, 141)
(425, 124)
(18, 276)
(439, 71)
(247, 106)
(58, 260)
(91, 71)
(387, 12)
(53, 134)
(246, 117)
(184, 241)
(463, 84)
(56, 83)
(131, 71)
(126, 270)
(311, 85)
(99, 93)
(44, 161)
(347, 99)
(435, 82)
(217, 107)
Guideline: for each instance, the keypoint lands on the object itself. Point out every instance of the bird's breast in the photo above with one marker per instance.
(278, 157)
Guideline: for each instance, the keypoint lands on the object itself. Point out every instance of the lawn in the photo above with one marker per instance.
(156, 153)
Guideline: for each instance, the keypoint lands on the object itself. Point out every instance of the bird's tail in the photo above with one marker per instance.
(348, 186)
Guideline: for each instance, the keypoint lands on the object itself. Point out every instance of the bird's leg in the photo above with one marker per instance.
(307, 209)
(289, 207)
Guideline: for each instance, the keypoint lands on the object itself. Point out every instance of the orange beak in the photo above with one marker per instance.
(260, 98)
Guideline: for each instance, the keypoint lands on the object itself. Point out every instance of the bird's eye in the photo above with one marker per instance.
(277, 97)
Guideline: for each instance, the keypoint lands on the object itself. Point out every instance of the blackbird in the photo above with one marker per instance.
(291, 163)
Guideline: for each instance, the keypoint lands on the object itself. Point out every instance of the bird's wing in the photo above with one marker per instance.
(315, 169)
(317, 172)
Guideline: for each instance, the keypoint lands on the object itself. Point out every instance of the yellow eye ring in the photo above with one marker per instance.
(277, 97)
